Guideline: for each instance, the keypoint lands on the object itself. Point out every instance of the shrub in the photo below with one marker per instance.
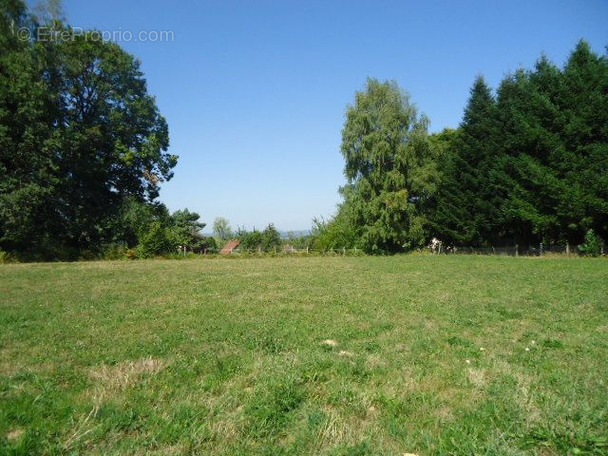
(271, 239)
(115, 252)
(593, 245)
(250, 240)
(5, 257)
(155, 242)
(336, 233)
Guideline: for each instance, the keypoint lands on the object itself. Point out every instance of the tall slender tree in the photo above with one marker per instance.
(585, 91)
(467, 207)
(389, 168)
(221, 228)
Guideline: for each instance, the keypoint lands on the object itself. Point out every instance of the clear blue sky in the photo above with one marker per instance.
(255, 91)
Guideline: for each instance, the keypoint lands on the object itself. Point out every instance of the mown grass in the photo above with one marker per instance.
(330, 356)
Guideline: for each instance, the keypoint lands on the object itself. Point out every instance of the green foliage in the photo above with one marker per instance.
(301, 241)
(526, 165)
(337, 233)
(268, 240)
(389, 169)
(221, 228)
(5, 257)
(593, 245)
(115, 252)
(554, 147)
(155, 242)
(26, 171)
(249, 240)
(150, 228)
(465, 212)
(271, 238)
(185, 229)
(529, 165)
(448, 211)
(135, 218)
(83, 151)
(78, 134)
(205, 243)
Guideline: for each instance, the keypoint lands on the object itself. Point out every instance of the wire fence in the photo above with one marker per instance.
(514, 251)
(285, 250)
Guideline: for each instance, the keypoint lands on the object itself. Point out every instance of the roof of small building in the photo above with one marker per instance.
(228, 248)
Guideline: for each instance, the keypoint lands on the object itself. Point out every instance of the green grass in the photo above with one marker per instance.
(324, 356)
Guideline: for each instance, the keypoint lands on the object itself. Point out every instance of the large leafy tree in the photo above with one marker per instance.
(110, 139)
(337, 233)
(79, 134)
(389, 168)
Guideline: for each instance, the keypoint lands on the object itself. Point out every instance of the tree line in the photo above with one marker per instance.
(83, 151)
(528, 164)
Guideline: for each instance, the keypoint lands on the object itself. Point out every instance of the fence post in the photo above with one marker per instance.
(567, 248)
(343, 251)
(541, 249)
(516, 250)
(307, 252)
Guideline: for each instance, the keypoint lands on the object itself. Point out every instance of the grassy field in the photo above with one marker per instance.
(325, 356)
